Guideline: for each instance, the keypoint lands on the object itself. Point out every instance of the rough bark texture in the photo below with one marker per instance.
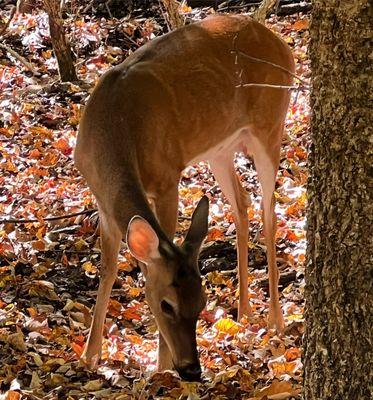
(338, 340)
(61, 46)
(261, 13)
(173, 16)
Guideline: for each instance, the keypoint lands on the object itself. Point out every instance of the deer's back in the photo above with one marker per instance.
(176, 96)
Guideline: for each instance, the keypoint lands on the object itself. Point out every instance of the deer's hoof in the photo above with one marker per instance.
(244, 310)
(89, 362)
(276, 320)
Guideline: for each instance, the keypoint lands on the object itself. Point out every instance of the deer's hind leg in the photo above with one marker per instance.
(266, 159)
(224, 172)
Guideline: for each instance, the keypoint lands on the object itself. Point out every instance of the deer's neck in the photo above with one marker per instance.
(131, 201)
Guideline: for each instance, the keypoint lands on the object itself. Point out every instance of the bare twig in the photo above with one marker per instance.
(108, 8)
(130, 39)
(21, 59)
(237, 7)
(267, 85)
(277, 5)
(88, 7)
(29, 220)
(260, 60)
(5, 27)
(164, 15)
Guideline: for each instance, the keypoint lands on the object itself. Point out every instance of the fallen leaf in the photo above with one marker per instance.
(277, 390)
(300, 24)
(17, 341)
(226, 325)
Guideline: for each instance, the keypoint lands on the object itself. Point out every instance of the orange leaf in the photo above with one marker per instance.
(134, 339)
(277, 391)
(12, 395)
(281, 367)
(293, 209)
(41, 131)
(38, 245)
(294, 236)
(301, 24)
(62, 145)
(77, 348)
(184, 8)
(49, 160)
(301, 257)
(6, 132)
(301, 153)
(125, 266)
(292, 354)
(35, 153)
(134, 291)
(114, 308)
(131, 313)
(9, 166)
(215, 234)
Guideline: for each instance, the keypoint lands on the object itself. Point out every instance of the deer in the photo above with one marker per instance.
(202, 92)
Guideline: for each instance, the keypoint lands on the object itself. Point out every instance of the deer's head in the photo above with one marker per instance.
(173, 286)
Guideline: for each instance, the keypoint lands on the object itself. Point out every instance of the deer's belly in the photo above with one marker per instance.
(237, 142)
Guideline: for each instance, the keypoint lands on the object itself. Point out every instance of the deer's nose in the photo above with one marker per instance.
(191, 373)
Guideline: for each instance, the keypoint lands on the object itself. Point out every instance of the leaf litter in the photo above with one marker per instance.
(49, 270)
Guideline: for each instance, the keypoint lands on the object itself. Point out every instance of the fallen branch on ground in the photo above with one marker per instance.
(30, 220)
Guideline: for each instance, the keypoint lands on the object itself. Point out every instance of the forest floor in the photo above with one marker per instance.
(49, 270)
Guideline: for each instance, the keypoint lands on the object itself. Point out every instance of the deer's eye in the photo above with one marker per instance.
(167, 308)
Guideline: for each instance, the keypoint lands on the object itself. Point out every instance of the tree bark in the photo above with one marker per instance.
(338, 339)
(61, 46)
(266, 6)
(173, 17)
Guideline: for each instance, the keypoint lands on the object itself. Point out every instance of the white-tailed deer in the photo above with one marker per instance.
(177, 100)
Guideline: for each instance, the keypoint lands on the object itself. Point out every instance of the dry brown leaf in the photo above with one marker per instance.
(94, 385)
(17, 341)
(43, 289)
(277, 390)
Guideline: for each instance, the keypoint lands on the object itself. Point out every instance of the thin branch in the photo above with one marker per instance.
(268, 85)
(108, 8)
(130, 39)
(88, 7)
(164, 14)
(26, 221)
(21, 59)
(255, 59)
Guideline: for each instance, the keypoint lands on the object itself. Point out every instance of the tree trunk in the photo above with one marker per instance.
(261, 13)
(173, 17)
(338, 340)
(61, 46)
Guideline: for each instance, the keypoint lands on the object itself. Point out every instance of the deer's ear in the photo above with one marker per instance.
(142, 240)
(199, 225)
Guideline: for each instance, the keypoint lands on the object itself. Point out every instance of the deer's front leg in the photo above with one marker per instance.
(110, 242)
